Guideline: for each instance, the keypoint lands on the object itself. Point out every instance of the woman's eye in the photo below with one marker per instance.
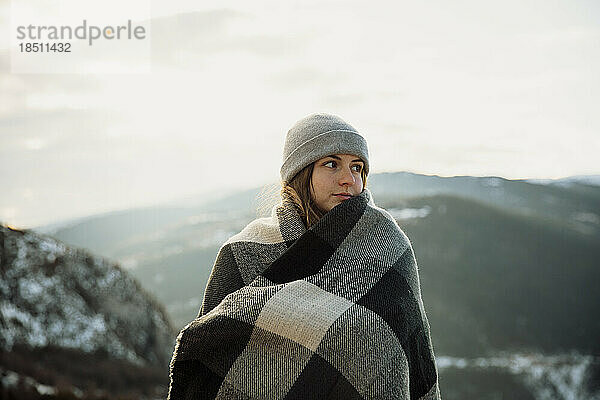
(357, 167)
(330, 164)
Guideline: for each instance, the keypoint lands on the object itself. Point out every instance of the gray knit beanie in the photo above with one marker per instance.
(317, 136)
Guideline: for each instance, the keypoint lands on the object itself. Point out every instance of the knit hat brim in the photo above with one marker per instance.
(322, 145)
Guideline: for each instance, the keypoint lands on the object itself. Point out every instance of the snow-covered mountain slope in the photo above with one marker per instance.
(54, 295)
(591, 180)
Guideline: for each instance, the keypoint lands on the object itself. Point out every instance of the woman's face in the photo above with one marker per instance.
(336, 178)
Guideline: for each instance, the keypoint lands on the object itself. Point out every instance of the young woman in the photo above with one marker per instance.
(321, 300)
(324, 184)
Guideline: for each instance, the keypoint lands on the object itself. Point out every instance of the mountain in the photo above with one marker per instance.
(64, 306)
(496, 280)
(574, 202)
(508, 272)
(576, 205)
(171, 249)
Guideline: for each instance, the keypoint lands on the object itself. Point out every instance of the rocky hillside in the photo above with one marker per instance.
(57, 297)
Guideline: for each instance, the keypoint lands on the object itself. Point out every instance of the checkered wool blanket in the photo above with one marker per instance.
(332, 312)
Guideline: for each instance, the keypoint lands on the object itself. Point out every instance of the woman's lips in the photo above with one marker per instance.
(343, 196)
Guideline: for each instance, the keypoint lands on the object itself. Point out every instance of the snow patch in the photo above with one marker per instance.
(586, 217)
(129, 263)
(409, 213)
(52, 247)
(218, 237)
(592, 180)
(11, 314)
(492, 182)
(10, 379)
(546, 376)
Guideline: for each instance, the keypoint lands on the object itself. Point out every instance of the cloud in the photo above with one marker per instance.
(445, 89)
(190, 37)
(8, 213)
(302, 77)
(54, 131)
(35, 143)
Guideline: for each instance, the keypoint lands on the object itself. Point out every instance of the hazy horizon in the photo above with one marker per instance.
(196, 199)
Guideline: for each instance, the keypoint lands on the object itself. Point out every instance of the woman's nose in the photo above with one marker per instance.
(347, 178)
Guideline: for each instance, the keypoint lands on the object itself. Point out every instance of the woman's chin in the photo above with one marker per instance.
(336, 202)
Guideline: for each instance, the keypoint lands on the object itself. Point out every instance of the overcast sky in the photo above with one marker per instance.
(506, 89)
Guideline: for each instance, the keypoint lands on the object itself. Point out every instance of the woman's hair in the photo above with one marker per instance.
(297, 192)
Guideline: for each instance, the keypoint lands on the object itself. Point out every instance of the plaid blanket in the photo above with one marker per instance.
(332, 312)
